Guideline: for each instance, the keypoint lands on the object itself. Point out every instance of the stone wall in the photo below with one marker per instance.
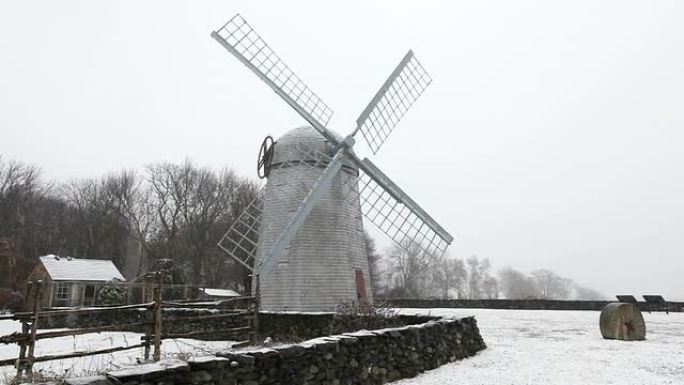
(303, 326)
(364, 357)
(528, 304)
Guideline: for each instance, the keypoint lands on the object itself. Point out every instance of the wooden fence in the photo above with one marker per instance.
(154, 319)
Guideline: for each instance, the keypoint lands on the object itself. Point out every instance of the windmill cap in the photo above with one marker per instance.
(305, 144)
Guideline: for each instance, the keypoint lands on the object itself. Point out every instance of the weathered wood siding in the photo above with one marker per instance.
(317, 270)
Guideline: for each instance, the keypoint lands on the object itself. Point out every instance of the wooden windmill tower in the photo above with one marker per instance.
(303, 236)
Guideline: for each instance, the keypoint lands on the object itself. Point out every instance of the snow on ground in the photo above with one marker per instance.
(80, 366)
(523, 347)
(561, 347)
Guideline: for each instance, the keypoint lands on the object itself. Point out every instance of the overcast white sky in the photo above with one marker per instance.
(551, 136)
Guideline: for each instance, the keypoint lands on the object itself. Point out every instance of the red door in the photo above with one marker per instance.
(361, 288)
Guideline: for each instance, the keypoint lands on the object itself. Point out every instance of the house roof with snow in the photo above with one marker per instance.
(77, 269)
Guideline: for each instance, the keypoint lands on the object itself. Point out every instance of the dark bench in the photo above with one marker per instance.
(656, 302)
(626, 298)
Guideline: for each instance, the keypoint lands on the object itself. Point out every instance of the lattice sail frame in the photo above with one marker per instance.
(241, 239)
(382, 203)
(252, 50)
(395, 219)
(404, 86)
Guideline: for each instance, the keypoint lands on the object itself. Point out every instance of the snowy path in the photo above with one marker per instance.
(559, 348)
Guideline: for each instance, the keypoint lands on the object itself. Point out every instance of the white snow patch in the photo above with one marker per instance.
(83, 366)
(561, 348)
(140, 370)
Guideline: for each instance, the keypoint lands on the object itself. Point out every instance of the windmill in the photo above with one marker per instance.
(308, 219)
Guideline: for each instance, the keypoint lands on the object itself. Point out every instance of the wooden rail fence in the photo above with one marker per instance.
(154, 319)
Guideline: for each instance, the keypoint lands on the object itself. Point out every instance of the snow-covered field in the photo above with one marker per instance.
(523, 347)
(176, 348)
(562, 347)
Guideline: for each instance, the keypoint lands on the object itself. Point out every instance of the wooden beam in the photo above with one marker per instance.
(24, 315)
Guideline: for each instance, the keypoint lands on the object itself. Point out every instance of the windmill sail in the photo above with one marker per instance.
(240, 241)
(307, 238)
(392, 211)
(403, 87)
(240, 39)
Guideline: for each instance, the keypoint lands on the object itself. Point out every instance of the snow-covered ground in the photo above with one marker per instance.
(523, 347)
(176, 348)
(562, 347)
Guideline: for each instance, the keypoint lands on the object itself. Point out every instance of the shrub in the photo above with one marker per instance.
(111, 295)
(11, 300)
(352, 316)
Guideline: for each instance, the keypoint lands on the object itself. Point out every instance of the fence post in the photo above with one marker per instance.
(158, 316)
(37, 297)
(19, 365)
(148, 318)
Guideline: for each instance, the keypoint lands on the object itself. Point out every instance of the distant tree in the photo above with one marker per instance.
(585, 293)
(374, 262)
(516, 285)
(25, 227)
(474, 277)
(490, 287)
(176, 211)
(480, 283)
(550, 285)
(449, 276)
(408, 264)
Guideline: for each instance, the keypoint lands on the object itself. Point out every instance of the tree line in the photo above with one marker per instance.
(405, 272)
(171, 211)
(178, 211)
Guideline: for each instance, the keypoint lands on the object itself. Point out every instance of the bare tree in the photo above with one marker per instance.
(516, 285)
(490, 287)
(133, 202)
(194, 206)
(585, 293)
(374, 262)
(550, 285)
(407, 266)
(176, 211)
(450, 276)
(22, 229)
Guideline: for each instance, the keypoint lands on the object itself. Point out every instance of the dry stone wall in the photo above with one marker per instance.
(303, 326)
(364, 357)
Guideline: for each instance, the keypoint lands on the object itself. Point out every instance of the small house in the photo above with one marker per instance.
(71, 281)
